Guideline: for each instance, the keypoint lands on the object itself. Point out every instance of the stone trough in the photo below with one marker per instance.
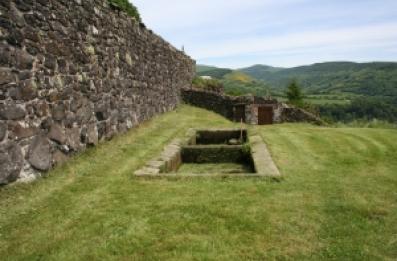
(236, 147)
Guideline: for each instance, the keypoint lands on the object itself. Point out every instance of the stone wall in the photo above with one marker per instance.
(213, 101)
(75, 72)
(291, 114)
(225, 104)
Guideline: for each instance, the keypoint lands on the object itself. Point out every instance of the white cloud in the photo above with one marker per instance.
(277, 32)
(182, 14)
(298, 40)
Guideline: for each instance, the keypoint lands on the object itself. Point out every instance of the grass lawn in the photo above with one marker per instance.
(338, 201)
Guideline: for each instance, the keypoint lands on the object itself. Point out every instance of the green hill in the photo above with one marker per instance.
(202, 68)
(235, 82)
(372, 79)
(239, 77)
(337, 202)
(259, 71)
(239, 83)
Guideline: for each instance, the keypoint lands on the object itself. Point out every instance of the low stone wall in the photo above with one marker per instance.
(75, 72)
(212, 101)
(225, 105)
(290, 114)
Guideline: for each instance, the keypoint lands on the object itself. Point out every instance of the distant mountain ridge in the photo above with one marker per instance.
(373, 79)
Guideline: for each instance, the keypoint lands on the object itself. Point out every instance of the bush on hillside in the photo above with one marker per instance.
(128, 8)
(294, 94)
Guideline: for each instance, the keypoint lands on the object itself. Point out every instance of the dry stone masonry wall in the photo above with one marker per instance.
(75, 72)
(225, 105)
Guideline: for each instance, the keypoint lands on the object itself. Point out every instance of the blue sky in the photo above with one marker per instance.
(285, 33)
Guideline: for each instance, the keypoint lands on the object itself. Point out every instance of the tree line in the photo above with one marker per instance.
(361, 108)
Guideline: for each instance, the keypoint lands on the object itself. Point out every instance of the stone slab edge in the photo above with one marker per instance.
(207, 175)
(169, 159)
(263, 162)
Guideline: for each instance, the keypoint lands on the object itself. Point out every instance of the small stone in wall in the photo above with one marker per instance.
(6, 76)
(39, 155)
(101, 126)
(73, 139)
(58, 158)
(11, 162)
(24, 60)
(85, 113)
(15, 38)
(53, 96)
(3, 130)
(20, 132)
(94, 30)
(57, 134)
(58, 112)
(92, 134)
(16, 16)
(50, 62)
(11, 111)
(24, 75)
(128, 59)
(41, 108)
(28, 90)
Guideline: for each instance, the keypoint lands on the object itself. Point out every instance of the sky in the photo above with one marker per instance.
(282, 33)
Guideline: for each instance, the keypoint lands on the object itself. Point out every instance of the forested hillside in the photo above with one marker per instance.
(373, 79)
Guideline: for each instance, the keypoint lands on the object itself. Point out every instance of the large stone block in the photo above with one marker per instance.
(92, 134)
(73, 139)
(39, 155)
(11, 162)
(57, 134)
(85, 113)
(20, 132)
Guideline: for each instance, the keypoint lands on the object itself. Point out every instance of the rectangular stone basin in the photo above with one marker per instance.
(229, 152)
(217, 154)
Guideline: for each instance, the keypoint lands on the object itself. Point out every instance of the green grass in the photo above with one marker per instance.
(376, 124)
(338, 201)
(127, 7)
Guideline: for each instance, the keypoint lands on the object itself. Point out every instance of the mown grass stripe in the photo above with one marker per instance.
(342, 207)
